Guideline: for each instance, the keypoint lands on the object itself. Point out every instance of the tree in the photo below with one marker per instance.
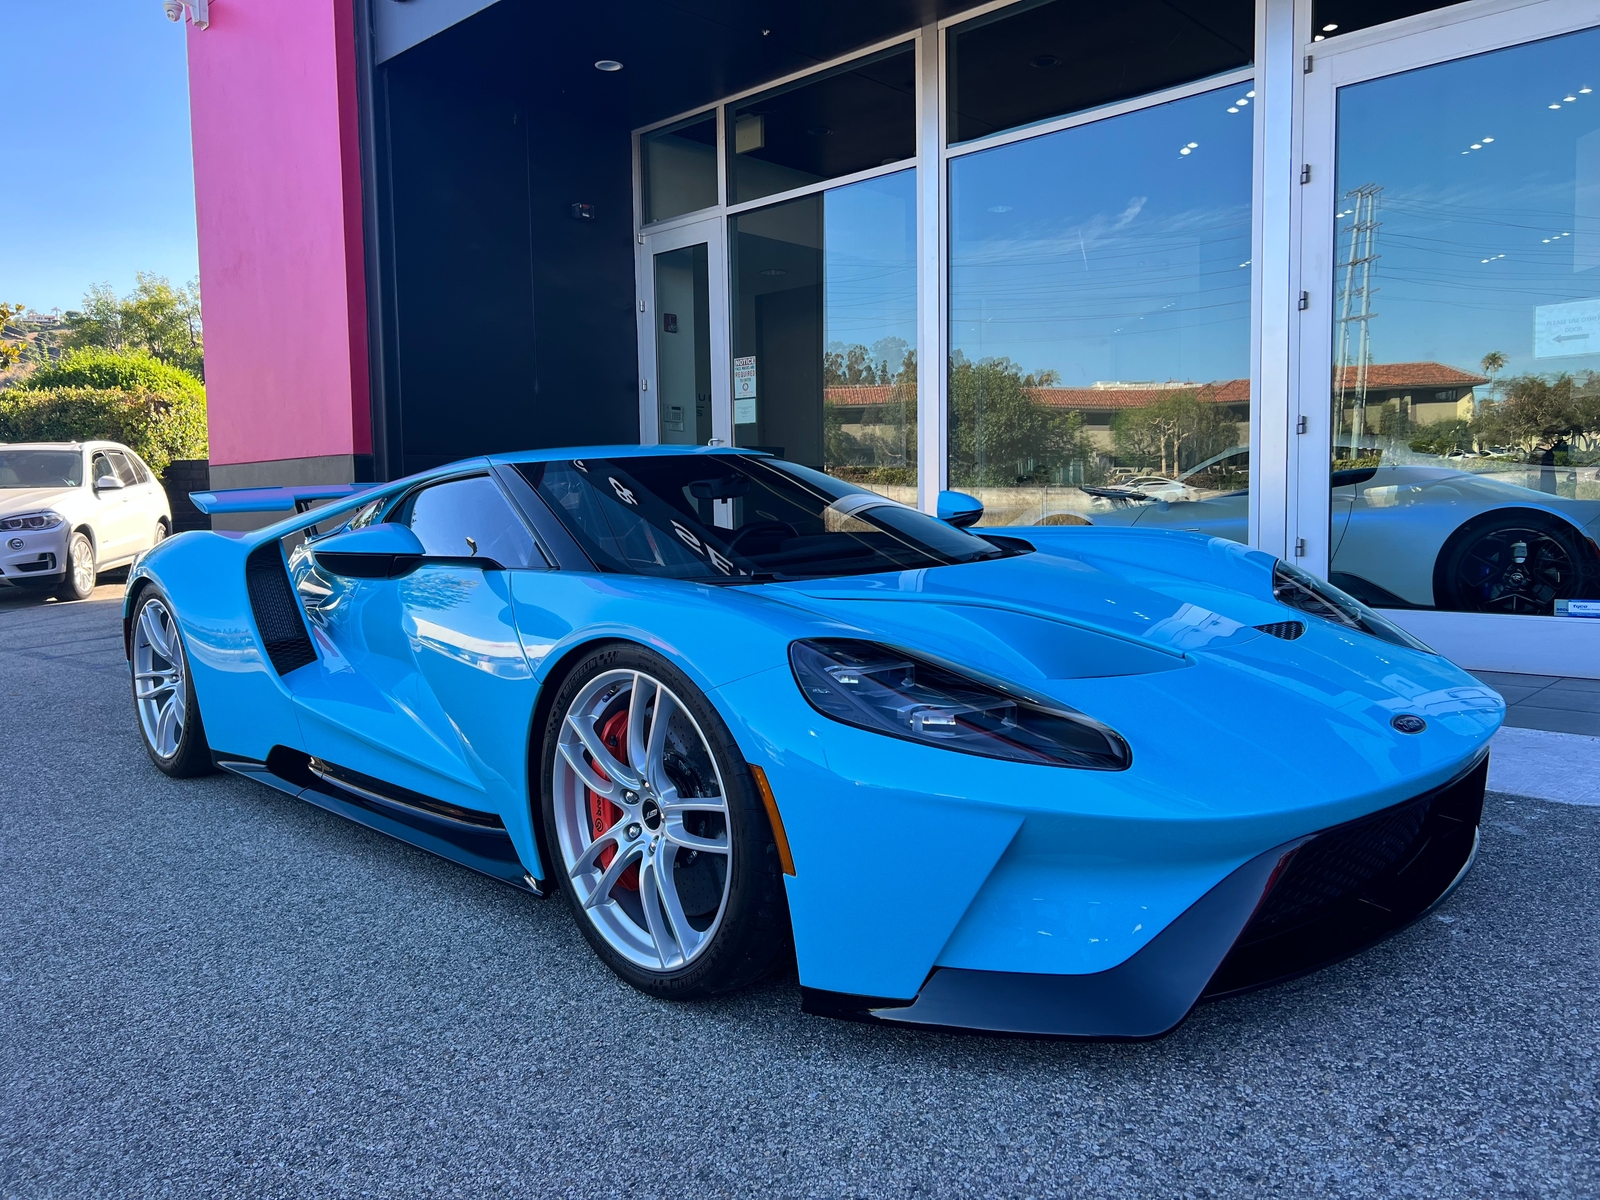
(1538, 412)
(157, 318)
(1176, 432)
(1492, 363)
(10, 350)
(1001, 435)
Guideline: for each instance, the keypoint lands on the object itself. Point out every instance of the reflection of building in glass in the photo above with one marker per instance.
(1409, 394)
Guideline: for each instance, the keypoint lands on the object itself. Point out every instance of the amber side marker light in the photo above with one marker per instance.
(785, 859)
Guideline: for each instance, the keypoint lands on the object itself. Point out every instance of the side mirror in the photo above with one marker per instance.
(960, 509)
(109, 483)
(383, 551)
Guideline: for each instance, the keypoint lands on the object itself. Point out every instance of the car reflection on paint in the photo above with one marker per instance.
(1418, 536)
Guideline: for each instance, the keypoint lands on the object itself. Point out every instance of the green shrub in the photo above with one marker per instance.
(114, 370)
(159, 425)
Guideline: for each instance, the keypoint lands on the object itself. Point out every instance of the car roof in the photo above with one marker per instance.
(562, 453)
(87, 445)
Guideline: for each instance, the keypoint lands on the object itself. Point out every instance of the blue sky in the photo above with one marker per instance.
(98, 175)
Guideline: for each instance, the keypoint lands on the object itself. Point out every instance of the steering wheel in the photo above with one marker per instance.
(773, 531)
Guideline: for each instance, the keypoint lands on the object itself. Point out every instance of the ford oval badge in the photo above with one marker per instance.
(1407, 723)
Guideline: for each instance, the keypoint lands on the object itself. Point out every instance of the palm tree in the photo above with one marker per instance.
(1493, 363)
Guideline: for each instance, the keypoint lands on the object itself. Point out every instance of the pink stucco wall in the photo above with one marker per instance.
(278, 199)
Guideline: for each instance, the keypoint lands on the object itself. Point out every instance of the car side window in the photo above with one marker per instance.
(470, 518)
(123, 468)
(141, 471)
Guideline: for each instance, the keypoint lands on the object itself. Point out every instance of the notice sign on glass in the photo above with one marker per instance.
(1562, 329)
(744, 390)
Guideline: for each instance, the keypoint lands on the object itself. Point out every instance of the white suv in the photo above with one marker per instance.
(69, 510)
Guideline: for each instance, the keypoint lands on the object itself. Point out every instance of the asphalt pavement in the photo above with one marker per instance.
(208, 989)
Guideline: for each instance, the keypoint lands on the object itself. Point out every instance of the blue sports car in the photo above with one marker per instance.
(1063, 781)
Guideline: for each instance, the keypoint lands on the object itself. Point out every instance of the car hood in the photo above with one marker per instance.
(1117, 621)
(16, 500)
(1085, 605)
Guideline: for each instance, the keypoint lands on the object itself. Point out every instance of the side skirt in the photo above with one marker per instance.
(473, 839)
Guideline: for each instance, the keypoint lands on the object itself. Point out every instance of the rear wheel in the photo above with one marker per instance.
(79, 581)
(661, 842)
(1516, 563)
(163, 692)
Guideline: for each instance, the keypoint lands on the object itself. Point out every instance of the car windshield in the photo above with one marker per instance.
(740, 519)
(40, 468)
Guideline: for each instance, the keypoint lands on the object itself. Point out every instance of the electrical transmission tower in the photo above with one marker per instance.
(1354, 358)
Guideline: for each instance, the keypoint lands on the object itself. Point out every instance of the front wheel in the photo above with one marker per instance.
(661, 842)
(163, 692)
(80, 577)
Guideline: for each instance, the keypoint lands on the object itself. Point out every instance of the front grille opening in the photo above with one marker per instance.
(1287, 630)
(1356, 883)
(272, 602)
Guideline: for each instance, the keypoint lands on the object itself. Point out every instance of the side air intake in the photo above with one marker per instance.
(283, 630)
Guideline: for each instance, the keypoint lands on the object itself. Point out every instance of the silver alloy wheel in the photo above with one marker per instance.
(673, 823)
(159, 692)
(83, 573)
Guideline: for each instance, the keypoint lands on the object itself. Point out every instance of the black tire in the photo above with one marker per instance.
(753, 931)
(1479, 571)
(191, 756)
(78, 583)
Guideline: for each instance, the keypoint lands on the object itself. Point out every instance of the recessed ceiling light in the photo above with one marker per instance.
(1570, 99)
(608, 64)
(1194, 145)
(1329, 28)
(1251, 93)
(1241, 101)
(1584, 91)
(1477, 145)
(1486, 141)
(1555, 106)
(1233, 110)
(1186, 150)
(1319, 38)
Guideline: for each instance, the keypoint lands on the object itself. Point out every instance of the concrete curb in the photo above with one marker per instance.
(1563, 767)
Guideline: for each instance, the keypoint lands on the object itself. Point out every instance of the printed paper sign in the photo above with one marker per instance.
(1578, 608)
(744, 411)
(1562, 329)
(744, 380)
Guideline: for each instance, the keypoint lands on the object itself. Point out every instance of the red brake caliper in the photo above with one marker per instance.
(602, 813)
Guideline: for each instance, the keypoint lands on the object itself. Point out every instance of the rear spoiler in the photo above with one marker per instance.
(273, 499)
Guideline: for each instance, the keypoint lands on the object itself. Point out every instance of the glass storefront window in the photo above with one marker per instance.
(679, 168)
(1466, 365)
(852, 119)
(824, 332)
(683, 345)
(1031, 62)
(1100, 321)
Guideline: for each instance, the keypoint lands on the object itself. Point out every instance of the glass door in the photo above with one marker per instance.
(1451, 351)
(683, 341)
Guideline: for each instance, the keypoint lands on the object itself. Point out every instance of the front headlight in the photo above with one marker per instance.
(1304, 592)
(887, 691)
(32, 522)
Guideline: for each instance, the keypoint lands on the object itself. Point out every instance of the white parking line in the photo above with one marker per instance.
(1564, 767)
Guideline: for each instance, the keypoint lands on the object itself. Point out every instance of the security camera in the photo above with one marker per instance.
(199, 14)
